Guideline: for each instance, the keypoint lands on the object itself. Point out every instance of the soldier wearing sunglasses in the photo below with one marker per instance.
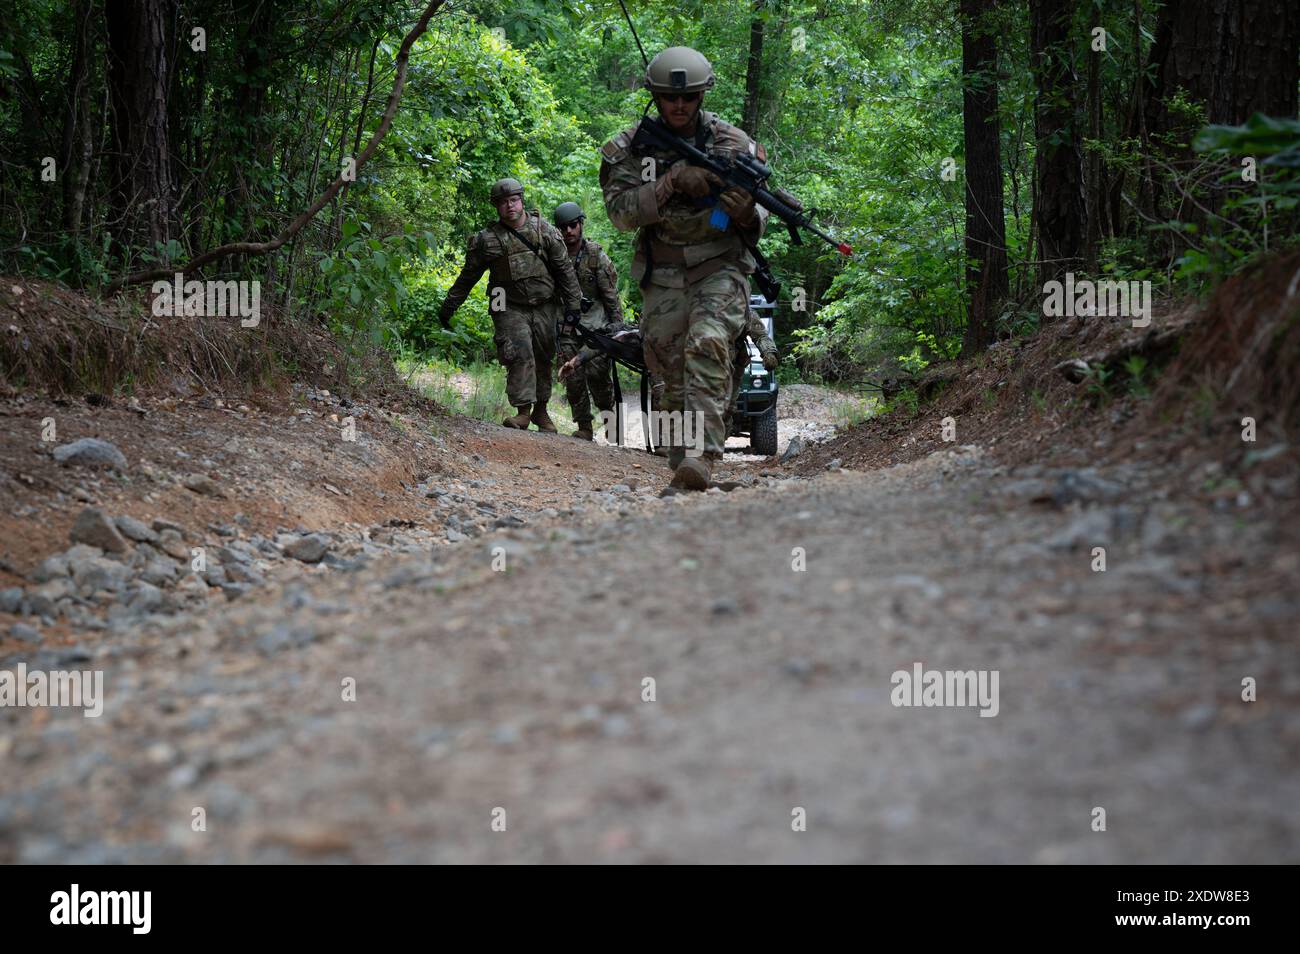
(693, 265)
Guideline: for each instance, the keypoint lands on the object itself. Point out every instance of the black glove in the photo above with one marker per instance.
(445, 319)
(570, 320)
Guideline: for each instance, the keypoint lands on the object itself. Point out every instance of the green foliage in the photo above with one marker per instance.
(1136, 367)
(1278, 140)
(906, 403)
(1096, 383)
(365, 280)
(861, 117)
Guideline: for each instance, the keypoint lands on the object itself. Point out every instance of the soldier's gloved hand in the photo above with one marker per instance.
(693, 180)
(570, 320)
(770, 360)
(445, 320)
(738, 204)
(571, 366)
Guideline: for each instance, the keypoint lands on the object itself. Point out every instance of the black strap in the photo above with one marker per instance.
(648, 250)
(538, 252)
(645, 411)
(618, 404)
(531, 247)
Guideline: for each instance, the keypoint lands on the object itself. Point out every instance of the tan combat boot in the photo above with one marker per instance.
(520, 420)
(693, 473)
(584, 432)
(542, 419)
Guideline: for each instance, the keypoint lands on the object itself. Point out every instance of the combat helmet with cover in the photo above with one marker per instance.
(566, 212)
(679, 69)
(505, 187)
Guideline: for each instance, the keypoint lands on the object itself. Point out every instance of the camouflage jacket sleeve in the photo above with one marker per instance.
(566, 282)
(757, 332)
(475, 265)
(607, 289)
(630, 202)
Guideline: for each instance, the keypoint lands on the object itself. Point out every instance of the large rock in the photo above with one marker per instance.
(203, 485)
(43, 600)
(11, 599)
(159, 572)
(244, 573)
(308, 549)
(93, 528)
(136, 530)
(51, 568)
(90, 451)
(100, 573)
(170, 542)
(235, 553)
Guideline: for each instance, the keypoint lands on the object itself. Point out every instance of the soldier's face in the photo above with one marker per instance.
(510, 208)
(572, 232)
(679, 109)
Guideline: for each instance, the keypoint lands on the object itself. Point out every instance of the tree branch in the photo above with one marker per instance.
(261, 248)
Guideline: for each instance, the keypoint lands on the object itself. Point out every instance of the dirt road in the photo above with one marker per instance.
(500, 682)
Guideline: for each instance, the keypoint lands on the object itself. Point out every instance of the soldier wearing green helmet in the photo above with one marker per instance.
(694, 274)
(532, 285)
(587, 380)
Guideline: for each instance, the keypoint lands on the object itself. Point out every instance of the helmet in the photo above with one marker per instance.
(504, 187)
(566, 212)
(679, 69)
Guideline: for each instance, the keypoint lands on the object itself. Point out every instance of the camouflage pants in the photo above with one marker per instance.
(739, 365)
(525, 340)
(591, 384)
(689, 334)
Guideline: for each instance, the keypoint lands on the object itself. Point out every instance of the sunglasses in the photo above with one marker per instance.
(680, 97)
(576, 223)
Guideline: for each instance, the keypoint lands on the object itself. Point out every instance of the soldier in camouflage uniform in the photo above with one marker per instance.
(601, 312)
(694, 277)
(524, 298)
(756, 331)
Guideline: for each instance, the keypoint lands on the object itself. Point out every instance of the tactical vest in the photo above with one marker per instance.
(515, 267)
(587, 265)
(684, 238)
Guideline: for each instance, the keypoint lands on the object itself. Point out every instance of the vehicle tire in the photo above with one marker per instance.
(762, 439)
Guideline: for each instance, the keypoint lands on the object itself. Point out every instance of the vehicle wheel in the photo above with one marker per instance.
(762, 439)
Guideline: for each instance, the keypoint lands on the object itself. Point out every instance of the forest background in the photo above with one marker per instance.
(969, 150)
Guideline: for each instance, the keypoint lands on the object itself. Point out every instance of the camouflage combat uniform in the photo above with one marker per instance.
(697, 294)
(599, 283)
(524, 331)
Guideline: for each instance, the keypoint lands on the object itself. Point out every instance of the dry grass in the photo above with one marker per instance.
(63, 342)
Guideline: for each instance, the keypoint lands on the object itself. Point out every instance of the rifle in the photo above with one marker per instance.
(627, 351)
(741, 172)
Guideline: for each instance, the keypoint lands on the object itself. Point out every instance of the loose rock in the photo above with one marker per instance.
(90, 451)
(93, 528)
(308, 549)
(136, 530)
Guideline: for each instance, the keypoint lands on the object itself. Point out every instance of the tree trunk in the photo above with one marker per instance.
(986, 244)
(139, 78)
(1095, 190)
(1235, 57)
(754, 71)
(1059, 199)
(78, 139)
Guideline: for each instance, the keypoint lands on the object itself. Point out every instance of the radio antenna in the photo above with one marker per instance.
(632, 27)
